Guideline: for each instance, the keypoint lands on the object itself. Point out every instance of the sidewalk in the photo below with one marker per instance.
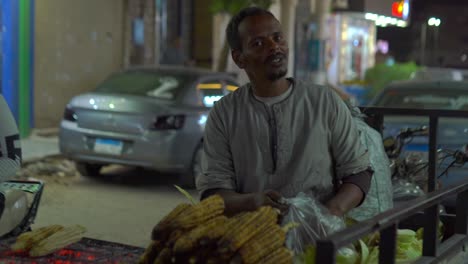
(36, 146)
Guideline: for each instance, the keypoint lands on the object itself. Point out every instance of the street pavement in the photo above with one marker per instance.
(121, 206)
(36, 147)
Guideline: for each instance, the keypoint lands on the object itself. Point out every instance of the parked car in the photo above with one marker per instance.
(438, 74)
(452, 132)
(151, 117)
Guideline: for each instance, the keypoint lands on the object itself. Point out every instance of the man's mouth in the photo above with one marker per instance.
(276, 59)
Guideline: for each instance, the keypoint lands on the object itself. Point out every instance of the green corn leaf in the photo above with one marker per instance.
(186, 194)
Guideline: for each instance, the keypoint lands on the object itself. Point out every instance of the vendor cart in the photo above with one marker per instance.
(420, 212)
(87, 250)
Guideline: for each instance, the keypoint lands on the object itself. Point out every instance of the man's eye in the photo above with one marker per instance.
(257, 43)
(278, 38)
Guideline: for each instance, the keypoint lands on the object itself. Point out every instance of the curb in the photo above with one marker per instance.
(26, 162)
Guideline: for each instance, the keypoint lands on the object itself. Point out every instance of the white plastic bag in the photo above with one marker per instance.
(315, 222)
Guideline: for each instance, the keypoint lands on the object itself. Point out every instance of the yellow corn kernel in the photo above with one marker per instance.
(27, 240)
(164, 256)
(58, 240)
(151, 252)
(165, 224)
(247, 227)
(279, 256)
(210, 230)
(209, 208)
(263, 244)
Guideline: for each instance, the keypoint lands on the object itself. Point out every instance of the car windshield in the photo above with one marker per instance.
(145, 83)
(425, 99)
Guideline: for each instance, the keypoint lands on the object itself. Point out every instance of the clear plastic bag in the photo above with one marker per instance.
(315, 222)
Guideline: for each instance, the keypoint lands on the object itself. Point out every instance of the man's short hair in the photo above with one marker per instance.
(232, 29)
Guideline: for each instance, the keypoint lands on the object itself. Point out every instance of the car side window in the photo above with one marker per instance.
(209, 92)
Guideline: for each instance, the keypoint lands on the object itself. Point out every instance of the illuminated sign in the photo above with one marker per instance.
(400, 9)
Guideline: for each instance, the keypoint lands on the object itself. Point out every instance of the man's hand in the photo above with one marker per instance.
(237, 202)
(270, 198)
(347, 198)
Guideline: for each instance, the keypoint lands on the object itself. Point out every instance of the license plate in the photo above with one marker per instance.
(108, 146)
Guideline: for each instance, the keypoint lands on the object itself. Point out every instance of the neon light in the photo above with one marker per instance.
(209, 86)
(24, 67)
(231, 88)
(397, 9)
(31, 62)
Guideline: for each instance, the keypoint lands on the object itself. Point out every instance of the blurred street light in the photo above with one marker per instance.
(433, 22)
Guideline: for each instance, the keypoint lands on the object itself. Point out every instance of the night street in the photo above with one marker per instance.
(301, 131)
(123, 206)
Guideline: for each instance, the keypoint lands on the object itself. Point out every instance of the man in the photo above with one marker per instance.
(276, 137)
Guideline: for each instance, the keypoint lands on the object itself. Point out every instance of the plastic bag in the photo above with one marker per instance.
(315, 222)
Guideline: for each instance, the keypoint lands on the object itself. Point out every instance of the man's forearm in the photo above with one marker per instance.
(348, 197)
(234, 202)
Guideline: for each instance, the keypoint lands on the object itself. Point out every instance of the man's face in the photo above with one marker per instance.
(264, 51)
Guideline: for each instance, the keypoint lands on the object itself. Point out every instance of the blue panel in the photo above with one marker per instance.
(9, 74)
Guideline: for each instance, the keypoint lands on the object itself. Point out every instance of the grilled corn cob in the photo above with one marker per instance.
(211, 230)
(58, 240)
(163, 226)
(280, 256)
(247, 226)
(151, 252)
(174, 236)
(164, 256)
(27, 240)
(209, 208)
(262, 244)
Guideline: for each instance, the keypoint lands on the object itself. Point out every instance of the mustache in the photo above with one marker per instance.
(276, 55)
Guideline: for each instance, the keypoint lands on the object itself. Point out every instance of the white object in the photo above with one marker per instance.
(8, 165)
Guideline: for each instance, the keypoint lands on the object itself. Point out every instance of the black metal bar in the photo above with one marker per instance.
(461, 219)
(375, 121)
(446, 249)
(387, 245)
(433, 121)
(326, 252)
(386, 111)
(424, 260)
(431, 227)
(387, 218)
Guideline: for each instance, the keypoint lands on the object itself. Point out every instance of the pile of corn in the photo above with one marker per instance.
(200, 233)
(48, 239)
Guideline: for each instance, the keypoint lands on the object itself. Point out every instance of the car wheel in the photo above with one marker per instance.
(188, 179)
(87, 169)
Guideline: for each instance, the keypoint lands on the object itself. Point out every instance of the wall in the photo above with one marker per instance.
(77, 44)
(202, 38)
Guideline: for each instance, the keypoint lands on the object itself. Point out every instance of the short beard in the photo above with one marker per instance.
(277, 75)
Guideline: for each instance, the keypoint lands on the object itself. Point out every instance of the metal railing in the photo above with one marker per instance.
(387, 222)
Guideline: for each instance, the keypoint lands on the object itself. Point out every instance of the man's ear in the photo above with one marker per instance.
(238, 58)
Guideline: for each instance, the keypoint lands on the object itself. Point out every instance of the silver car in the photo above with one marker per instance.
(147, 117)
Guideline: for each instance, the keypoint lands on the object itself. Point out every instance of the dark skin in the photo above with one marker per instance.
(264, 57)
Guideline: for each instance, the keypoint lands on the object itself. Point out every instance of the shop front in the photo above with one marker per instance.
(350, 46)
(353, 46)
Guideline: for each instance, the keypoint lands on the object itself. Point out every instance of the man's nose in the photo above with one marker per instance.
(273, 45)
